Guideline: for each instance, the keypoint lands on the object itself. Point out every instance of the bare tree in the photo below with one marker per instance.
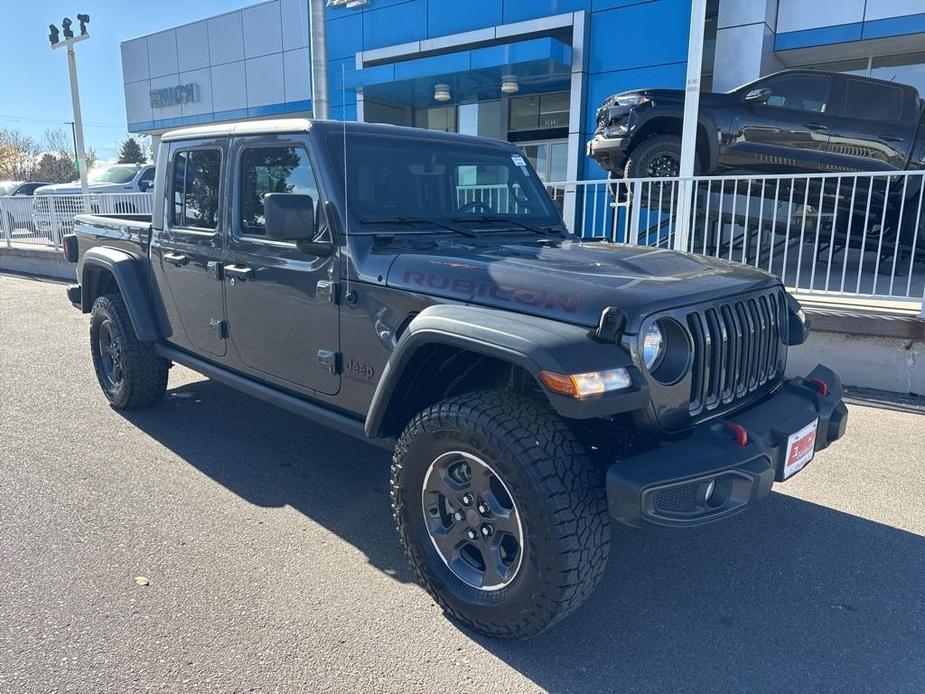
(18, 155)
(58, 141)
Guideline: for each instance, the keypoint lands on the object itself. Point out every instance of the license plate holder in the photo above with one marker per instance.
(801, 448)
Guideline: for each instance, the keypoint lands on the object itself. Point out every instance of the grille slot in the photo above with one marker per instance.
(736, 349)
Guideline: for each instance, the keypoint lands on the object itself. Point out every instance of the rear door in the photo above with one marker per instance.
(874, 127)
(281, 302)
(786, 134)
(187, 255)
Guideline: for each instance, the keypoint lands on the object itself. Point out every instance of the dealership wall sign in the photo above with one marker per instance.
(171, 96)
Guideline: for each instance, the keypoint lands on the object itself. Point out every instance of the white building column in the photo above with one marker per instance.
(744, 42)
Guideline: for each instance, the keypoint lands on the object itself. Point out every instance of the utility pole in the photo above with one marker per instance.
(689, 128)
(321, 107)
(68, 43)
(73, 136)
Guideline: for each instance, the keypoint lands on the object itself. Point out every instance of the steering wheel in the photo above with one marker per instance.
(472, 206)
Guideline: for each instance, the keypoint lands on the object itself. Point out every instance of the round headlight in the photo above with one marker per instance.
(652, 346)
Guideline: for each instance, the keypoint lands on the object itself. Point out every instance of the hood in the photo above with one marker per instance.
(572, 281)
(73, 188)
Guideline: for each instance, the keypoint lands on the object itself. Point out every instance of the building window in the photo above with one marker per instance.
(196, 175)
(539, 112)
(908, 68)
(441, 118)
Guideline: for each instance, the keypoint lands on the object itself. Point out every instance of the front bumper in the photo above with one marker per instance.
(609, 152)
(668, 486)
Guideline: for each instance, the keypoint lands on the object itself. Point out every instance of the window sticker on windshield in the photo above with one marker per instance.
(518, 160)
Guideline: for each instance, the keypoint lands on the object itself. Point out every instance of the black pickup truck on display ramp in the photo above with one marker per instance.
(531, 384)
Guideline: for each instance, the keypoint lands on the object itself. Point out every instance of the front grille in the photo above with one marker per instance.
(737, 349)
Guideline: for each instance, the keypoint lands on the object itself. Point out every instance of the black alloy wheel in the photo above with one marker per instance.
(472, 520)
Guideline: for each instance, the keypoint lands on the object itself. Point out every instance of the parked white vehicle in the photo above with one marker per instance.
(16, 204)
(55, 205)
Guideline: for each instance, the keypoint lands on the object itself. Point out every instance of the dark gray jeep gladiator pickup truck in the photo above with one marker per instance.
(531, 384)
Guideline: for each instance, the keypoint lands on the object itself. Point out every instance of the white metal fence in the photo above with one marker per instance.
(852, 234)
(43, 220)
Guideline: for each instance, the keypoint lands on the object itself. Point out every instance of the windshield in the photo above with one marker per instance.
(7, 187)
(114, 174)
(421, 178)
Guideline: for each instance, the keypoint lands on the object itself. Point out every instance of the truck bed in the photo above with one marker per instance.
(132, 229)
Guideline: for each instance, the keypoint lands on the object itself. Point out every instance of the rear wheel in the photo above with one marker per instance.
(500, 512)
(130, 373)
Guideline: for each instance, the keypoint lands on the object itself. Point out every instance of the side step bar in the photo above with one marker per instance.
(303, 408)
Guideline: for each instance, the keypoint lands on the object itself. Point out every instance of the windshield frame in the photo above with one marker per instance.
(333, 144)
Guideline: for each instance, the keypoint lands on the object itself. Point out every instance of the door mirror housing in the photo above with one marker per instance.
(145, 186)
(291, 217)
(758, 96)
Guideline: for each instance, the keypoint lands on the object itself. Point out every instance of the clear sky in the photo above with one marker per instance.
(34, 91)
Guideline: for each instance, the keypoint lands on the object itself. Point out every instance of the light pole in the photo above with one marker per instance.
(321, 107)
(68, 42)
(689, 128)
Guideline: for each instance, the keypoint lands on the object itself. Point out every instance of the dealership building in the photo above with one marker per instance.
(529, 71)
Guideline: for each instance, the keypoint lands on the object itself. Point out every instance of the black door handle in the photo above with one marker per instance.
(241, 271)
(817, 126)
(176, 258)
(889, 137)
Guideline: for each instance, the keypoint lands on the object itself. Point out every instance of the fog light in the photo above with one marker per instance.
(708, 492)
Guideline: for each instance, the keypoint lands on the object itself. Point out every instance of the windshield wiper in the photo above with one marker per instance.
(413, 221)
(489, 218)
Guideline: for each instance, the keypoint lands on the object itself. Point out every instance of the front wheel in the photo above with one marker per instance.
(658, 156)
(500, 512)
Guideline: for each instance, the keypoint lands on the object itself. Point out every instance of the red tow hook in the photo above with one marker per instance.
(741, 433)
(821, 386)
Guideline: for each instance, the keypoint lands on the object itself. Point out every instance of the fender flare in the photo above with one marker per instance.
(529, 342)
(125, 270)
(705, 121)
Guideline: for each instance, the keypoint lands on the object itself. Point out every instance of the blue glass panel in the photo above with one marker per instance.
(452, 16)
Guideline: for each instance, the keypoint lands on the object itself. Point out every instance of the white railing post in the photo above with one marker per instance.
(53, 226)
(6, 221)
(635, 204)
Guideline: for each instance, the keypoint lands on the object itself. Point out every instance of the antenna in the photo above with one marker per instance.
(343, 115)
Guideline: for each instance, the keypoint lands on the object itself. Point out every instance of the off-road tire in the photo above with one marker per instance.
(556, 488)
(144, 373)
(642, 155)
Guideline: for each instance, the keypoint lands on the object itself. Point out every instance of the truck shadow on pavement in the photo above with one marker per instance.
(790, 596)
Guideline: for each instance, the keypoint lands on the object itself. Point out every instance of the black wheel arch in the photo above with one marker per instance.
(105, 270)
(671, 123)
(449, 349)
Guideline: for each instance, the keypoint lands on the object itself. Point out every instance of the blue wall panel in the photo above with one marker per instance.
(401, 23)
(521, 10)
(345, 36)
(653, 33)
(452, 17)
(841, 33)
(610, 4)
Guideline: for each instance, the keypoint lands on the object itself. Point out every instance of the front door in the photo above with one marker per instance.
(788, 133)
(281, 302)
(186, 257)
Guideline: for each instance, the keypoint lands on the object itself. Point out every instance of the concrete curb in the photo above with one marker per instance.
(45, 262)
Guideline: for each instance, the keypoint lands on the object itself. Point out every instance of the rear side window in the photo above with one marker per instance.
(196, 175)
(267, 170)
(873, 101)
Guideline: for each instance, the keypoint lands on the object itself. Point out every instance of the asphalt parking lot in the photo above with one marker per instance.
(273, 566)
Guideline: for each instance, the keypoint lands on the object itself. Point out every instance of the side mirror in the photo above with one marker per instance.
(758, 96)
(291, 217)
(145, 186)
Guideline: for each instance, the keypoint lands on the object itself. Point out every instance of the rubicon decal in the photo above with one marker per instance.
(512, 295)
